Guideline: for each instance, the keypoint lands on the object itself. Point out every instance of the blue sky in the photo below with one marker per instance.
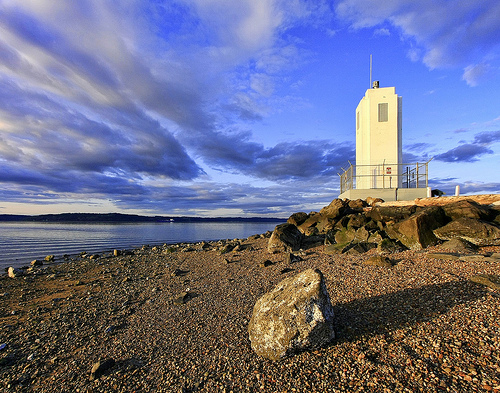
(234, 108)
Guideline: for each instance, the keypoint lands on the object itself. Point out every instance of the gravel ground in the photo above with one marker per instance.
(174, 319)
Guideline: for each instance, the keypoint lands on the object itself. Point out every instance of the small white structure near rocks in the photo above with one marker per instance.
(296, 315)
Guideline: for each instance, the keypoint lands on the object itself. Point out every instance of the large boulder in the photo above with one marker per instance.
(416, 232)
(476, 231)
(357, 220)
(285, 237)
(345, 235)
(296, 315)
(311, 221)
(466, 208)
(357, 205)
(337, 208)
(391, 213)
(297, 218)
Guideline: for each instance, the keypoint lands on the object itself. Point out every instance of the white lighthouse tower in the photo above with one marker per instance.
(379, 170)
(378, 138)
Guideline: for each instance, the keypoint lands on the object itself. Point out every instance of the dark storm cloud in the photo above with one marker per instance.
(471, 152)
(464, 153)
(285, 161)
(310, 159)
(418, 147)
(59, 137)
(487, 137)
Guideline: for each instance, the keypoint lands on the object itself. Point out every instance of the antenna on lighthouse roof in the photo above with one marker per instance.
(371, 71)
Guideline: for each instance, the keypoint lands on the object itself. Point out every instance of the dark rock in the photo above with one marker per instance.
(437, 193)
(311, 231)
(360, 248)
(391, 213)
(313, 241)
(337, 208)
(49, 258)
(372, 201)
(266, 263)
(458, 245)
(372, 225)
(357, 220)
(36, 262)
(378, 260)
(183, 297)
(488, 280)
(336, 248)
(296, 315)
(416, 231)
(375, 237)
(357, 204)
(345, 235)
(390, 246)
(475, 231)
(179, 273)
(325, 224)
(239, 247)
(361, 235)
(466, 208)
(100, 367)
(285, 237)
(311, 222)
(330, 237)
(495, 214)
(297, 218)
(443, 255)
(292, 258)
(341, 223)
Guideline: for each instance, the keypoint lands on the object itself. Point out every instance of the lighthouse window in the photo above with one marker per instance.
(383, 110)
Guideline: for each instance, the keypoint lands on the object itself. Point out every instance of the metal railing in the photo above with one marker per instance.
(414, 175)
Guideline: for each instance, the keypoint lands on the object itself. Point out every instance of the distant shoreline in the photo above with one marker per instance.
(85, 218)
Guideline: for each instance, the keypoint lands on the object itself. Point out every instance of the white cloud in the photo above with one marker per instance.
(382, 32)
(450, 34)
(474, 74)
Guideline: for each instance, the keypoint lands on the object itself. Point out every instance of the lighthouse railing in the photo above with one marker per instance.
(405, 175)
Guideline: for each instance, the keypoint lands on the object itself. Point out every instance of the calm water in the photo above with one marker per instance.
(20, 243)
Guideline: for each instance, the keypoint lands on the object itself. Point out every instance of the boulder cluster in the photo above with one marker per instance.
(356, 226)
(297, 315)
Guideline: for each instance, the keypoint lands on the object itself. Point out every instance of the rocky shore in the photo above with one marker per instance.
(174, 318)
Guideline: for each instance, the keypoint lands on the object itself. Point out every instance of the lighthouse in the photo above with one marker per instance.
(379, 171)
(378, 138)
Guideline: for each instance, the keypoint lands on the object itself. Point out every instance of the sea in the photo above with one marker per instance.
(22, 242)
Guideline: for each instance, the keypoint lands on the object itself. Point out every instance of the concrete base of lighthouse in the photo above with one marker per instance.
(387, 194)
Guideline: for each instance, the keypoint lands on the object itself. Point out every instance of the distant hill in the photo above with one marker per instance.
(124, 218)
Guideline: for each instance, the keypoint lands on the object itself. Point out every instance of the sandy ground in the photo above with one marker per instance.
(418, 326)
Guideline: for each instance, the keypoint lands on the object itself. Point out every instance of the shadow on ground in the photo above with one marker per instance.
(380, 314)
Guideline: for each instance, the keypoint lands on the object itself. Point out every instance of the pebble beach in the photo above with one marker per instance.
(174, 318)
